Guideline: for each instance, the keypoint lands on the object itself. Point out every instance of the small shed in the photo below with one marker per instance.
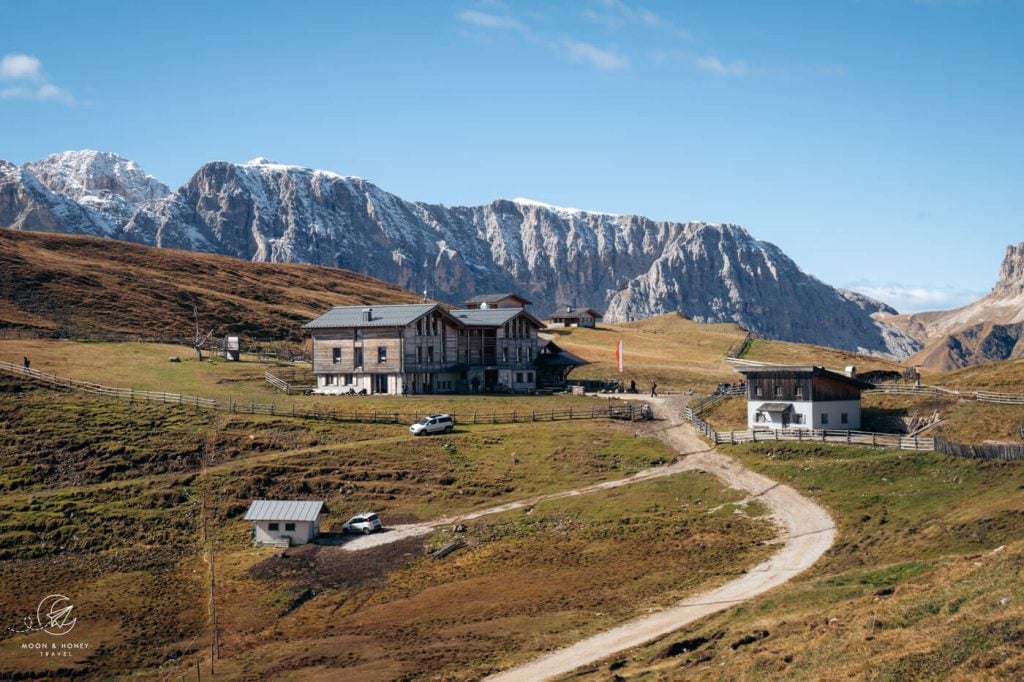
(554, 364)
(232, 348)
(275, 522)
(567, 316)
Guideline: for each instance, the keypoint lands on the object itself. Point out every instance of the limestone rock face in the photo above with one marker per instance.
(1011, 273)
(991, 328)
(27, 204)
(630, 266)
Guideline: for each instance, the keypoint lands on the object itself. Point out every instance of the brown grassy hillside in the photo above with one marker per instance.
(96, 286)
(678, 352)
(786, 353)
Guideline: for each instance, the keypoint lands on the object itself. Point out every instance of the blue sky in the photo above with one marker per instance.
(878, 142)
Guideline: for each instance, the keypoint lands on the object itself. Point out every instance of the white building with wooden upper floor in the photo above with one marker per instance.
(567, 316)
(423, 348)
(802, 397)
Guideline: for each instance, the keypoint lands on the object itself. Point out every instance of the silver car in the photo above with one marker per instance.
(364, 523)
(435, 423)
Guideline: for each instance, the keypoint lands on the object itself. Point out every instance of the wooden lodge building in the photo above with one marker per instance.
(567, 316)
(424, 348)
(802, 397)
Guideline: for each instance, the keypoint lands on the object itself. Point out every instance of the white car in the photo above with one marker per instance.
(435, 423)
(364, 523)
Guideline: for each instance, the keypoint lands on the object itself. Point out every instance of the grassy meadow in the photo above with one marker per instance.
(112, 501)
(924, 581)
(678, 353)
(786, 353)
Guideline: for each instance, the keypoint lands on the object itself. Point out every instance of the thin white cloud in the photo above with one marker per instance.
(32, 83)
(20, 67)
(574, 50)
(615, 14)
(915, 299)
(489, 20)
(716, 66)
(606, 60)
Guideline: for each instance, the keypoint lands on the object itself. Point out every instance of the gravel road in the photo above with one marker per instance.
(808, 533)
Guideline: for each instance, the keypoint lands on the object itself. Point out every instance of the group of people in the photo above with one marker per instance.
(621, 387)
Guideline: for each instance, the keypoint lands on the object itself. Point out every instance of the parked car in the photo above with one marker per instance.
(435, 423)
(364, 523)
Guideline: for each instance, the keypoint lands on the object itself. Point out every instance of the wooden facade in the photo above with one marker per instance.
(800, 384)
(424, 349)
(567, 316)
(802, 397)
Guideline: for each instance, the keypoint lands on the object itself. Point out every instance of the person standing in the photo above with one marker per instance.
(654, 388)
(24, 362)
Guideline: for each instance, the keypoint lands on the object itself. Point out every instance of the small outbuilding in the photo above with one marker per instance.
(567, 316)
(275, 522)
(803, 397)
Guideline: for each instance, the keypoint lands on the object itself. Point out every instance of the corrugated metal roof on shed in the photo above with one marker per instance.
(284, 510)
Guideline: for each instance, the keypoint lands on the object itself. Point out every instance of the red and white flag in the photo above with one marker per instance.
(618, 356)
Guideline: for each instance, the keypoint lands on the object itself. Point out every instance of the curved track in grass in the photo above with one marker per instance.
(808, 532)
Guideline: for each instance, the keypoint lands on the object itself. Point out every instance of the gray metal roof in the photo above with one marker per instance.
(490, 317)
(284, 510)
(494, 298)
(381, 316)
(553, 355)
(806, 370)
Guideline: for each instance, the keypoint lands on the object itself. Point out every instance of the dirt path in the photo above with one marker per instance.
(809, 532)
(400, 532)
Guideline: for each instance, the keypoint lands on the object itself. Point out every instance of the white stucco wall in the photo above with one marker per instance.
(359, 382)
(835, 411)
(303, 533)
(801, 407)
(811, 412)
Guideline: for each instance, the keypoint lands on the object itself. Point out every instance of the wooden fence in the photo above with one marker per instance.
(291, 381)
(1007, 452)
(875, 440)
(943, 392)
(630, 411)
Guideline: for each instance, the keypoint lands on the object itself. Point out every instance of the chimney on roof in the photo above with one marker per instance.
(851, 371)
(568, 308)
(367, 314)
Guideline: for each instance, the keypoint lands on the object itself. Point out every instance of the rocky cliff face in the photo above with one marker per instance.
(1011, 273)
(991, 328)
(27, 204)
(630, 266)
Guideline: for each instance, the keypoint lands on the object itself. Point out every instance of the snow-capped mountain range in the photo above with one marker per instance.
(629, 266)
